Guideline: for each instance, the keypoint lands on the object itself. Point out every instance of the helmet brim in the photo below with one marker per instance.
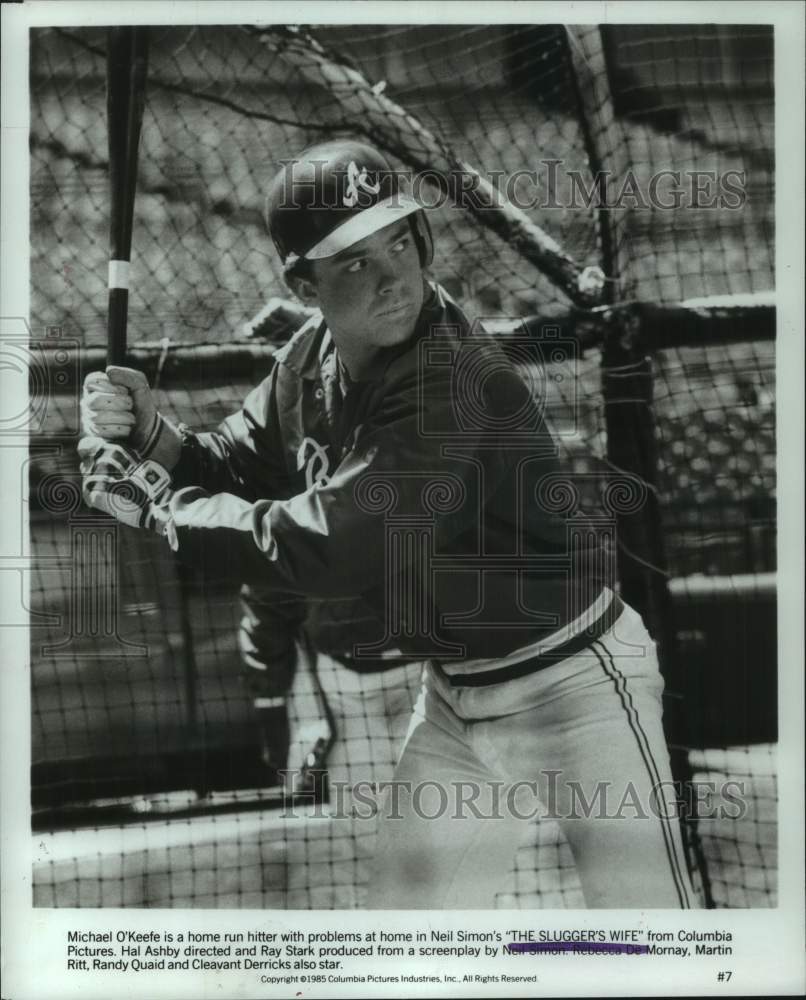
(364, 224)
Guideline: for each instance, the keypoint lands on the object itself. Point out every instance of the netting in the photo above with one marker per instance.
(715, 408)
(266, 860)
(139, 711)
(223, 109)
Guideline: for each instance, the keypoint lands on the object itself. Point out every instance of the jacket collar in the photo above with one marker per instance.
(305, 350)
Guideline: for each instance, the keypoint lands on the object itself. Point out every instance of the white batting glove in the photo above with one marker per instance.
(117, 405)
(118, 482)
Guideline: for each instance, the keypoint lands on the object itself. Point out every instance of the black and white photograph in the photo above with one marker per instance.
(402, 499)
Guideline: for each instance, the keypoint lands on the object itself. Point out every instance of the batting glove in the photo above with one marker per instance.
(118, 482)
(117, 405)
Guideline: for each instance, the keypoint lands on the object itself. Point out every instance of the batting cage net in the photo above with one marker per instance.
(614, 209)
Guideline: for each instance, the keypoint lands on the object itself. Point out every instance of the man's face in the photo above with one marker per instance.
(371, 294)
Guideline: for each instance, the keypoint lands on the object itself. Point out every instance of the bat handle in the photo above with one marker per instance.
(116, 326)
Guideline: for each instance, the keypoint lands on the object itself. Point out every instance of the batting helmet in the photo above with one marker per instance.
(334, 194)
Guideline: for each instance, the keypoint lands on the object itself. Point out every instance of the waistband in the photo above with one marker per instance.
(374, 665)
(531, 664)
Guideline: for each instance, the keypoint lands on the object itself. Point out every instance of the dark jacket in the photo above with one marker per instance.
(414, 514)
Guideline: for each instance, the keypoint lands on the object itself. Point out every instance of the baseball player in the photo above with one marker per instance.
(396, 474)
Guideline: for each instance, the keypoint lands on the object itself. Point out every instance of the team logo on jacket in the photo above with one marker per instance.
(357, 182)
(312, 457)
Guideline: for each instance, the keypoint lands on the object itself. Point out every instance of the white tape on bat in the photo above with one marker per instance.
(119, 274)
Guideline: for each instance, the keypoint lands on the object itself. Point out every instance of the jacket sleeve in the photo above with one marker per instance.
(331, 539)
(244, 455)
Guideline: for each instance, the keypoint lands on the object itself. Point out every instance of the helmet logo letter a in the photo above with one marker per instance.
(316, 465)
(357, 181)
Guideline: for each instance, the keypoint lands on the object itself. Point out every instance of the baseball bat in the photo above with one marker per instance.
(127, 63)
(126, 70)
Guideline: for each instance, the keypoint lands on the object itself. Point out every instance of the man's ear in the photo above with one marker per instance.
(303, 288)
